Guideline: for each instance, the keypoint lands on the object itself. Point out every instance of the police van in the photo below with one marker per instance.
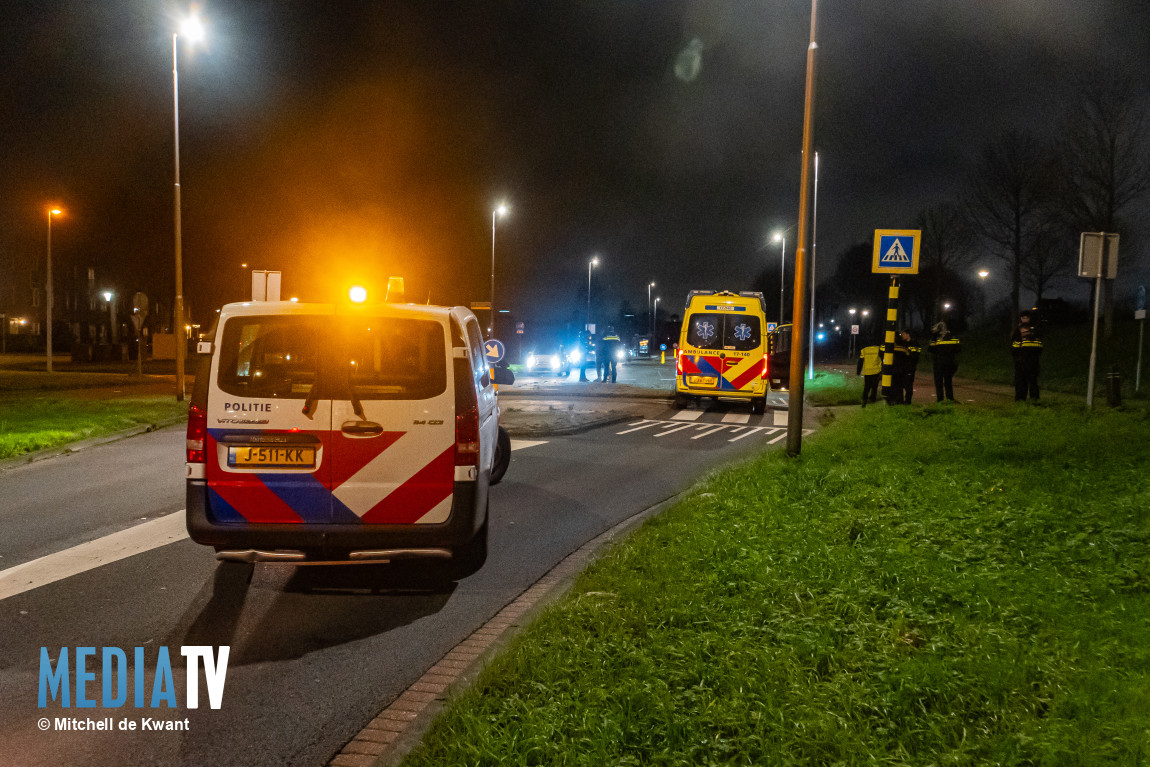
(721, 351)
(351, 433)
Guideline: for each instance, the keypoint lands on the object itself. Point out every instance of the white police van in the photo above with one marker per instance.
(323, 433)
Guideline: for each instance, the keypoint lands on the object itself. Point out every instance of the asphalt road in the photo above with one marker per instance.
(315, 652)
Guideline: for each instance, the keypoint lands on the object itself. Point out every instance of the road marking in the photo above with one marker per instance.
(776, 439)
(737, 418)
(638, 426)
(687, 415)
(523, 444)
(677, 428)
(709, 433)
(749, 432)
(781, 417)
(111, 548)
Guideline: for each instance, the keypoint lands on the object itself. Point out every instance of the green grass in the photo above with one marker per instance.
(29, 423)
(833, 388)
(923, 586)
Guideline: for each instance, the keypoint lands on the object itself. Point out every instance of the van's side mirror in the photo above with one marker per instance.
(503, 376)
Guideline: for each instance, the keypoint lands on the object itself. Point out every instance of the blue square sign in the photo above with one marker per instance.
(896, 251)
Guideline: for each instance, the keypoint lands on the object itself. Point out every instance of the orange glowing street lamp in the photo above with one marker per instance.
(48, 302)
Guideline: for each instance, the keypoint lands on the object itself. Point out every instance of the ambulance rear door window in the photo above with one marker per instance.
(742, 333)
(705, 331)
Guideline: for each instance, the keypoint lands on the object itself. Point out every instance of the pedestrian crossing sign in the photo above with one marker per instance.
(896, 251)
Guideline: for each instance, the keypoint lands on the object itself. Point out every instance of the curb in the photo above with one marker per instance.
(401, 726)
(610, 394)
(8, 464)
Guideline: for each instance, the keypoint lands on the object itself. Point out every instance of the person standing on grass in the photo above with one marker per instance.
(898, 370)
(944, 349)
(870, 368)
(1026, 346)
(910, 366)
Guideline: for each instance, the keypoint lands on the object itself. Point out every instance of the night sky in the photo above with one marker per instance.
(350, 141)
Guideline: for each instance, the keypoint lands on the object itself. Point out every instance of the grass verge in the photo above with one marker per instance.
(924, 586)
(30, 423)
(833, 388)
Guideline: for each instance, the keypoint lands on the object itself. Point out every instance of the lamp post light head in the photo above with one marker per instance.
(866, 312)
(946, 306)
(55, 212)
(983, 273)
(108, 295)
(595, 261)
(192, 29)
(852, 311)
(501, 211)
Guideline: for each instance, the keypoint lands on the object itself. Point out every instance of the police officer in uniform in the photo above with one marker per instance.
(909, 366)
(1026, 346)
(944, 349)
(608, 349)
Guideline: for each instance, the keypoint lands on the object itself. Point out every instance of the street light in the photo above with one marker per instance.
(782, 273)
(983, 273)
(193, 30)
(650, 310)
(48, 302)
(499, 212)
(593, 262)
(654, 311)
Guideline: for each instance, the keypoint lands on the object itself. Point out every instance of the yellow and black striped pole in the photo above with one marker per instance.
(888, 342)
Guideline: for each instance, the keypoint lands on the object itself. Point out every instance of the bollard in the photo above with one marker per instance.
(1114, 389)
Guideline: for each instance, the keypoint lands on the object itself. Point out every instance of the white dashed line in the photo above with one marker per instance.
(749, 432)
(675, 429)
(638, 426)
(737, 418)
(709, 433)
(687, 415)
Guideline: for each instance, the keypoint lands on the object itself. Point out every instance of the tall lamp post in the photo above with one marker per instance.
(654, 311)
(814, 239)
(48, 285)
(499, 212)
(593, 262)
(782, 273)
(650, 311)
(192, 29)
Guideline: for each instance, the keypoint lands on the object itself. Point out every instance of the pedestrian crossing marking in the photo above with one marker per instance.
(776, 439)
(677, 428)
(752, 430)
(687, 415)
(706, 429)
(736, 418)
(638, 426)
(720, 427)
(781, 417)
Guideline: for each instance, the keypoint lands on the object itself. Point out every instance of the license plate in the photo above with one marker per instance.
(702, 381)
(272, 457)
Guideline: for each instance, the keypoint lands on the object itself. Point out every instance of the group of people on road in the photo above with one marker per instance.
(606, 357)
(1026, 348)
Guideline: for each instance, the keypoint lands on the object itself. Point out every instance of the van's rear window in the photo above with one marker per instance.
(734, 332)
(705, 331)
(390, 358)
(270, 356)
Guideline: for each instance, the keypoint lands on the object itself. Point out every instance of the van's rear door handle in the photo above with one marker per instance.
(361, 428)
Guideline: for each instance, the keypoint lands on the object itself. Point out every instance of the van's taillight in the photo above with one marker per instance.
(766, 366)
(679, 361)
(466, 416)
(197, 432)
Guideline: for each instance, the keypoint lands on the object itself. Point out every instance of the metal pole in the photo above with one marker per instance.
(814, 238)
(795, 406)
(181, 340)
(587, 322)
(48, 302)
(650, 313)
(782, 281)
(1094, 340)
(491, 329)
(1137, 370)
(888, 390)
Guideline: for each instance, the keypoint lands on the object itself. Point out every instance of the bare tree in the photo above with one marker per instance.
(947, 242)
(1008, 200)
(1106, 159)
(1050, 258)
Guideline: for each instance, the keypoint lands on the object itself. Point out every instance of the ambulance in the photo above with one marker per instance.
(721, 350)
(320, 433)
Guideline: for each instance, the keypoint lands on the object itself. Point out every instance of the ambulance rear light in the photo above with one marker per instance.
(197, 433)
(766, 366)
(679, 361)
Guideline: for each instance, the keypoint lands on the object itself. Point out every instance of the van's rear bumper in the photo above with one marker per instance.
(332, 541)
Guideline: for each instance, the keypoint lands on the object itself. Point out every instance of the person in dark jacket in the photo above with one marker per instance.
(944, 349)
(909, 367)
(1026, 346)
(609, 347)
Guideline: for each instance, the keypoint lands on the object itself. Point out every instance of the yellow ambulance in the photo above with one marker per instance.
(722, 351)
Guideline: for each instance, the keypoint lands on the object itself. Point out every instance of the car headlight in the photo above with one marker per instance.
(530, 361)
(576, 356)
(620, 355)
(554, 361)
